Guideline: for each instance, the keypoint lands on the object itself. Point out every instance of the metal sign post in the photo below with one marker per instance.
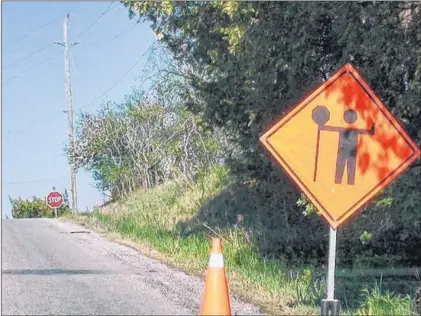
(55, 212)
(330, 306)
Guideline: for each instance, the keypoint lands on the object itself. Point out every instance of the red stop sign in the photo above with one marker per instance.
(54, 199)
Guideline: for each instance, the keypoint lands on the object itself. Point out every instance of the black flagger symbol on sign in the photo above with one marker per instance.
(348, 142)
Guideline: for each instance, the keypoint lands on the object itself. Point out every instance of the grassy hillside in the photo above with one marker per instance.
(165, 222)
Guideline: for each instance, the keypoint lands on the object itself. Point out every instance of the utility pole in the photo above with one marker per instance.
(69, 110)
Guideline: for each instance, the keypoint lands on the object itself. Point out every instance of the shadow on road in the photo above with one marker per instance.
(56, 271)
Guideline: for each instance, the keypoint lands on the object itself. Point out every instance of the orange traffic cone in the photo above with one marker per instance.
(216, 299)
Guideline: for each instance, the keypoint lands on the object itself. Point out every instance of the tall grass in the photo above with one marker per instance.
(377, 303)
(153, 218)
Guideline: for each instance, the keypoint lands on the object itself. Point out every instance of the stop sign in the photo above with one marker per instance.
(54, 199)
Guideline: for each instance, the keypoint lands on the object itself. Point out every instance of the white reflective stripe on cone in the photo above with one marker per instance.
(216, 260)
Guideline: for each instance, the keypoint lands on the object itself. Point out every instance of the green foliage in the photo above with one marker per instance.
(308, 206)
(66, 203)
(246, 63)
(377, 303)
(365, 237)
(35, 208)
(389, 230)
(250, 74)
(153, 218)
(308, 288)
(235, 67)
(166, 219)
(142, 142)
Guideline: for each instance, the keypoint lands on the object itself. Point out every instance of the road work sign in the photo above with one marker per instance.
(341, 146)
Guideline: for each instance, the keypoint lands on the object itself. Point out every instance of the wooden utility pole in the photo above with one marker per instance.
(69, 110)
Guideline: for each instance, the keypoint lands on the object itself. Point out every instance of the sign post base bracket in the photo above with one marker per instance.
(330, 307)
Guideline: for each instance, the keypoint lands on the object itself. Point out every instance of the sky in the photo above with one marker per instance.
(34, 126)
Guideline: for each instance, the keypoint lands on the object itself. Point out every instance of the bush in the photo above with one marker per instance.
(35, 208)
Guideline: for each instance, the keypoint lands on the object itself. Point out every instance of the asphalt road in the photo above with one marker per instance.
(51, 267)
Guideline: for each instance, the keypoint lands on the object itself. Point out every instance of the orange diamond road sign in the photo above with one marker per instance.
(341, 145)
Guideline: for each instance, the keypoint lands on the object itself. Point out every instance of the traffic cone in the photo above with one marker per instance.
(216, 299)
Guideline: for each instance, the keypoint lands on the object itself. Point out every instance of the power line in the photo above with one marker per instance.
(29, 55)
(34, 181)
(46, 119)
(33, 67)
(107, 10)
(121, 78)
(103, 94)
(112, 38)
(30, 33)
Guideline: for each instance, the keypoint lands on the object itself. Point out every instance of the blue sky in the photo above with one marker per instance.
(34, 125)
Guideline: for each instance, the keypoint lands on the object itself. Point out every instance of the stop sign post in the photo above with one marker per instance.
(54, 200)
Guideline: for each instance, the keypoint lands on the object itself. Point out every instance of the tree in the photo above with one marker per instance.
(246, 63)
(257, 58)
(142, 141)
(66, 203)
